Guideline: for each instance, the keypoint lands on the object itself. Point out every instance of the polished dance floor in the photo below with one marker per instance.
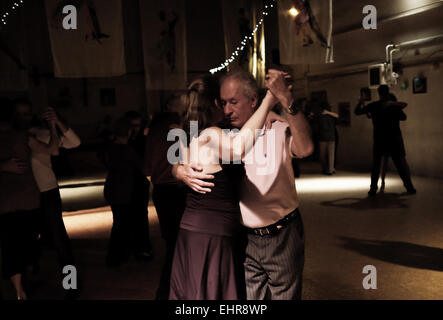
(400, 234)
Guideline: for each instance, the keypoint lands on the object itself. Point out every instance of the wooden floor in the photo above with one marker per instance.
(399, 234)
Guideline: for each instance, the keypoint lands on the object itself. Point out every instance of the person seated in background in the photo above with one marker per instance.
(51, 224)
(127, 191)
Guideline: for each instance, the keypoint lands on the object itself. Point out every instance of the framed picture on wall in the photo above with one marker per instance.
(344, 114)
(419, 85)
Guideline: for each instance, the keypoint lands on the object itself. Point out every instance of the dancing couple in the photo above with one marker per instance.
(241, 234)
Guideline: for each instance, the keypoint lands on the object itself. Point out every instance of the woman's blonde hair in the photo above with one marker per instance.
(200, 102)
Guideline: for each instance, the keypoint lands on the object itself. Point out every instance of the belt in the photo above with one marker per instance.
(276, 227)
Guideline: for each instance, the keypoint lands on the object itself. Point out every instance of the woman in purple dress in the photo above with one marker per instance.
(207, 262)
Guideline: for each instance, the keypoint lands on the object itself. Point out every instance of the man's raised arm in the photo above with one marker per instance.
(302, 145)
(361, 108)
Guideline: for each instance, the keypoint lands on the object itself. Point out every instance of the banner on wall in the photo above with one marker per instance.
(305, 31)
(13, 73)
(239, 19)
(164, 44)
(96, 47)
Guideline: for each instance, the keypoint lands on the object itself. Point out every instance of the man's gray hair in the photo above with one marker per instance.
(247, 81)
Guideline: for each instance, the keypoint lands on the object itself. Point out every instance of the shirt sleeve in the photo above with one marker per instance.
(364, 110)
(41, 135)
(400, 115)
(69, 140)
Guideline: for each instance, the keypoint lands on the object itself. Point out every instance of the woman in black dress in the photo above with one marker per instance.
(207, 262)
(127, 191)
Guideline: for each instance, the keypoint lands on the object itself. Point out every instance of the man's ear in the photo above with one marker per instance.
(254, 101)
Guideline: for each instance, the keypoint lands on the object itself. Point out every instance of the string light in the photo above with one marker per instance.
(243, 43)
(294, 12)
(4, 16)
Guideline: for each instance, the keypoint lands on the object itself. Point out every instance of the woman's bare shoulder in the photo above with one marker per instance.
(210, 132)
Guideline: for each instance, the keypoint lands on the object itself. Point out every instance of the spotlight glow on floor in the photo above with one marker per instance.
(314, 184)
(69, 194)
(89, 225)
(96, 223)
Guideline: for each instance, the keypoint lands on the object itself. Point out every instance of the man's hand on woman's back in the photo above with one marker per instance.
(192, 175)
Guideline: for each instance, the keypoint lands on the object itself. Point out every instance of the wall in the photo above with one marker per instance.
(422, 132)
(27, 35)
(354, 50)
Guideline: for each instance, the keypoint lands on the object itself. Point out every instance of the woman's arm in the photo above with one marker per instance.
(51, 147)
(234, 148)
(402, 116)
(332, 114)
(397, 104)
(70, 139)
(361, 108)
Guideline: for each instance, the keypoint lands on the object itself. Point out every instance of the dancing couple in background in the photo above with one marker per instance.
(386, 114)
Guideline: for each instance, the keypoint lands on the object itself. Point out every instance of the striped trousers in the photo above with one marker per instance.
(274, 263)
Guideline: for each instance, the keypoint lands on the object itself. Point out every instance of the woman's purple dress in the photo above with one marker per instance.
(208, 257)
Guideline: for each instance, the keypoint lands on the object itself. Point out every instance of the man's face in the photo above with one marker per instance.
(136, 125)
(23, 115)
(238, 108)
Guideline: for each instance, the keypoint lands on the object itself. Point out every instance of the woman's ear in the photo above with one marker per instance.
(217, 103)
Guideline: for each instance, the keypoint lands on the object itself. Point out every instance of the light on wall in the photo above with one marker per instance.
(294, 12)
